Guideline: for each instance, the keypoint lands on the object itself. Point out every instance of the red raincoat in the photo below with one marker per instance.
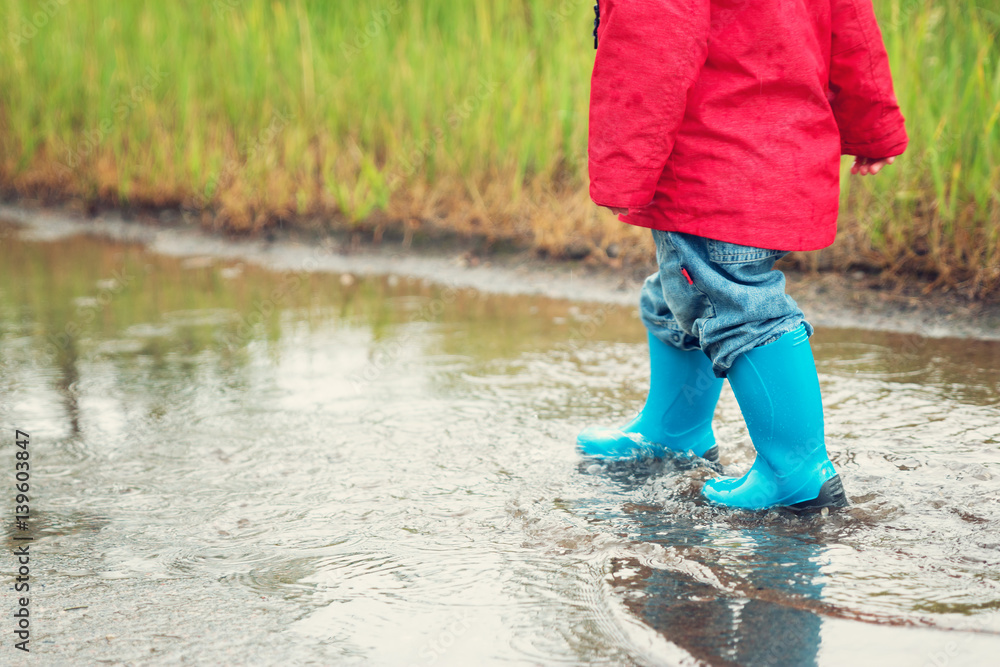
(727, 118)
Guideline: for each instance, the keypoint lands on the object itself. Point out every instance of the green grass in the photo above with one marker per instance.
(469, 117)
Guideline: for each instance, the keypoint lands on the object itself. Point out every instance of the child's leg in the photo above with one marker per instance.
(731, 298)
(728, 297)
(683, 392)
(778, 392)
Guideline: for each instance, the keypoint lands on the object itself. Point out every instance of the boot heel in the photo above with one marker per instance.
(712, 455)
(831, 495)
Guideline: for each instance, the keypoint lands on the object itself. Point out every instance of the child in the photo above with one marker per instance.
(719, 124)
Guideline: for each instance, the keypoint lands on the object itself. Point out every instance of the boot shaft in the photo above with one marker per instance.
(778, 391)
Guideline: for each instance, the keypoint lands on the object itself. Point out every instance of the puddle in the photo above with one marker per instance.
(234, 464)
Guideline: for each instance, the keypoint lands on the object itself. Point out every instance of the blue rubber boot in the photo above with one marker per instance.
(677, 416)
(778, 392)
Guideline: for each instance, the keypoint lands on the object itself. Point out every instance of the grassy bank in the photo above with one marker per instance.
(397, 117)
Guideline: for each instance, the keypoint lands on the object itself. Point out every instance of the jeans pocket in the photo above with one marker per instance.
(723, 252)
(687, 296)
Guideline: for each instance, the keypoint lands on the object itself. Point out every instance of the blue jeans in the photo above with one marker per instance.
(719, 297)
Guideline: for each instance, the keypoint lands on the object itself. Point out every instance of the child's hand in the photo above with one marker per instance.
(617, 211)
(867, 165)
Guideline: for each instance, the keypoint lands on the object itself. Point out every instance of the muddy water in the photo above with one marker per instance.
(238, 466)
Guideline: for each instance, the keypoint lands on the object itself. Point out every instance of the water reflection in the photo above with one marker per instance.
(382, 471)
(725, 594)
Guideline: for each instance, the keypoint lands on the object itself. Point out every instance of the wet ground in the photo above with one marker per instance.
(239, 466)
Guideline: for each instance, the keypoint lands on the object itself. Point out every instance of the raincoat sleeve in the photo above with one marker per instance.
(861, 93)
(649, 54)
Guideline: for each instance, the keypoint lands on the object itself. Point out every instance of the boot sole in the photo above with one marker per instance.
(831, 495)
